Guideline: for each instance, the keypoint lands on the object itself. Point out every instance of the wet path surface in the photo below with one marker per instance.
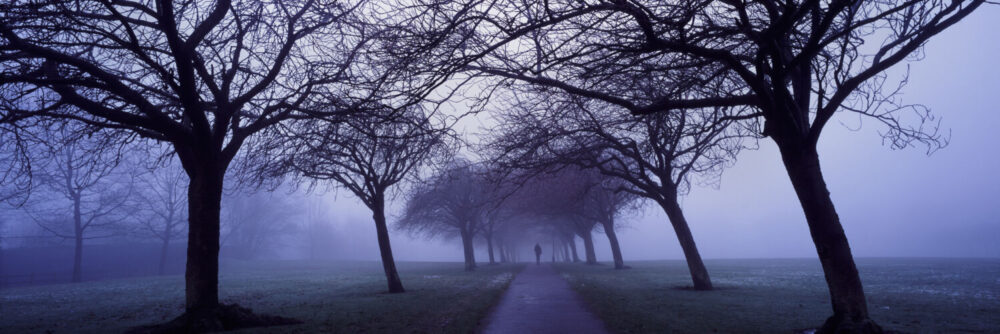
(540, 301)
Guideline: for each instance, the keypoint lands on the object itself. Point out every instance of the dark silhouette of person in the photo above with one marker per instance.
(538, 254)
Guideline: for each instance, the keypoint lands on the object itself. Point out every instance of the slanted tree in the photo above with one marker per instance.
(368, 155)
(654, 155)
(794, 63)
(606, 200)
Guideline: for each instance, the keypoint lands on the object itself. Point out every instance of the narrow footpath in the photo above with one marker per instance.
(540, 301)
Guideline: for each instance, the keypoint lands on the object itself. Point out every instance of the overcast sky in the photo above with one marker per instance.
(891, 202)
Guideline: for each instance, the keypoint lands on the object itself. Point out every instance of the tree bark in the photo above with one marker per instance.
(588, 246)
(850, 308)
(502, 250)
(572, 247)
(699, 274)
(616, 250)
(489, 248)
(564, 252)
(384, 247)
(78, 240)
(469, 250)
(163, 254)
(201, 274)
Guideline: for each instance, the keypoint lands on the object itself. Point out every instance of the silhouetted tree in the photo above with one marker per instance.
(655, 155)
(794, 63)
(368, 155)
(452, 202)
(255, 225)
(605, 200)
(161, 203)
(209, 77)
(202, 76)
(82, 195)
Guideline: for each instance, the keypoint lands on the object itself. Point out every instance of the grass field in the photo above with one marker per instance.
(329, 298)
(783, 296)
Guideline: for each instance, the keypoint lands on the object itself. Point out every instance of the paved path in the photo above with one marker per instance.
(540, 301)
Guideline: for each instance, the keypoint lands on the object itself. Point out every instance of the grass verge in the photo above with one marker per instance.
(328, 298)
(784, 296)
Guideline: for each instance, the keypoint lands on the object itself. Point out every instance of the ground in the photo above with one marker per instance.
(539, 301)
(765, 296)
(782, 296)
(329, 298)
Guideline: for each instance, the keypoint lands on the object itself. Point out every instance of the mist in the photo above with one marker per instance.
(434, 165)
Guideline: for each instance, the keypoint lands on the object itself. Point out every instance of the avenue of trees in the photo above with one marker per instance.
(601, 106)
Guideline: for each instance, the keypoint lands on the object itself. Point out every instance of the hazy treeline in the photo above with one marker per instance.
(601, 106)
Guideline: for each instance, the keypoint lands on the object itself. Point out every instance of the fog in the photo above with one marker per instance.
(893, 203)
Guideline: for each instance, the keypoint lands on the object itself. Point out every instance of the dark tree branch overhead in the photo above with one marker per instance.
(209, 78)
(795, 64)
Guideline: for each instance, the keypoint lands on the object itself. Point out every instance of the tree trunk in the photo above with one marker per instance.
(388, 264)
(163, 253)
(699, 275)
(564, 251)
(850, 309)
(502, 250)
(489, 248)
(201, 276)
(588, 246)
(616, 250)
(78, 241)
(572, 247)
(469, 250)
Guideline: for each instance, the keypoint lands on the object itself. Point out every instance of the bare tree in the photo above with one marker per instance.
(606, 200)
(795, 64)
(257, 224)
(655, 155)
(207, 77)
(368, 155)
(161, 200)
(452, 203)
(82, 194)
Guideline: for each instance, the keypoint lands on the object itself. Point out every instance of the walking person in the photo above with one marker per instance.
(538, 254)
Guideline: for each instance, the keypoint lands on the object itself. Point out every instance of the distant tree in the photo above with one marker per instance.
(202, 76)
(453, 202)
(317, 228)
(605, 200)
(559, 198)
(257, 224)
(161, 201)
(367, 155)
(3, 236)
(794, 64)
(656, 155)
(210, 77)
(82, 195)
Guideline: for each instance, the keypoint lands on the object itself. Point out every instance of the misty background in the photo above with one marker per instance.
(893, 203)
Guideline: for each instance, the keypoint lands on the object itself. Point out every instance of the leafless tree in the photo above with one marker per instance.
(794, 63)
(257, 224)
(368, 155)
(605, 201)
(452, 202)
(656, 155)
(208, 77)
(161, 202)
(82, 195)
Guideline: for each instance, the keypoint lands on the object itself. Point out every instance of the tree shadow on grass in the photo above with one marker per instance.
(226, 317)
